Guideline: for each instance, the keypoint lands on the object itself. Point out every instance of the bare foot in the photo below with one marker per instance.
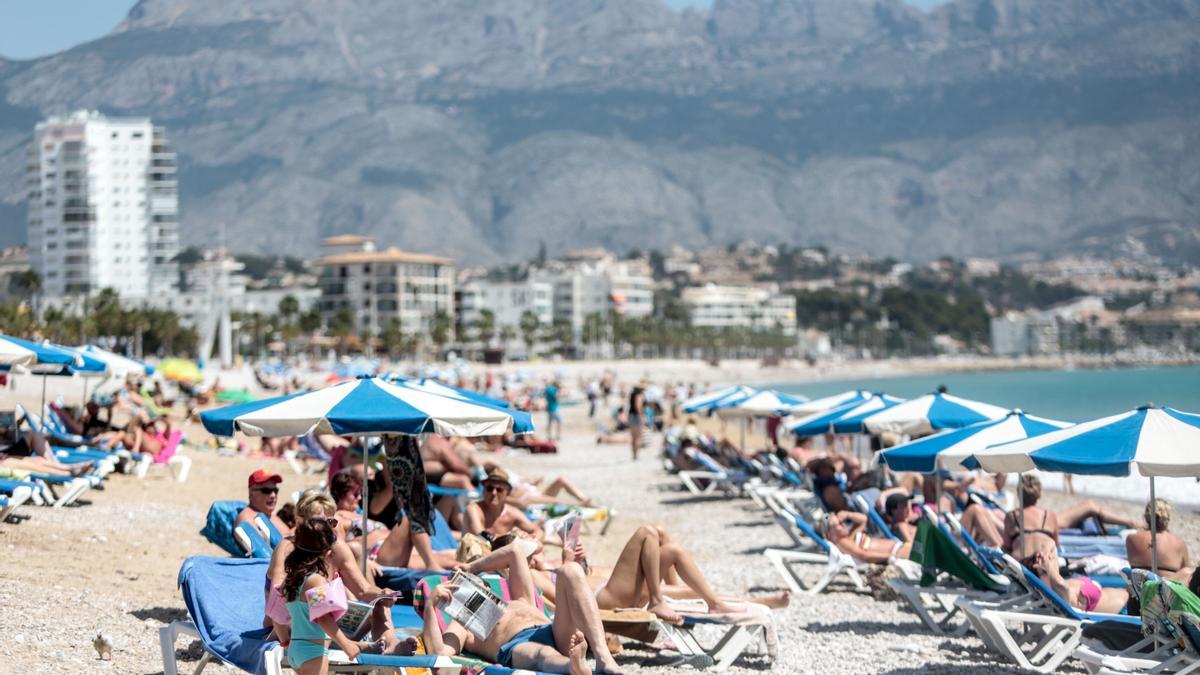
(777, 601)
(723, 608)
(663, 611)
(578, 654)
(405, 647)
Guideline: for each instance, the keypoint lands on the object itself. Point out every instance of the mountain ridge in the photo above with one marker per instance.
(1011, 128)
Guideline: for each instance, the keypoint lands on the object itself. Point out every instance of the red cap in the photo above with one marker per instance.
(263, 476)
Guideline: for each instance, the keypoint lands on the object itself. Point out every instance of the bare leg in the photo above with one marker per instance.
(982, 526)
(669, 575)
(562, 483)
(576, 611)
(1074, 516)
(682, 561)
(637, 567)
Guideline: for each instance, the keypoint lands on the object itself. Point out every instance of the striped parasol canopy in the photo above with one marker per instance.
(366, 405)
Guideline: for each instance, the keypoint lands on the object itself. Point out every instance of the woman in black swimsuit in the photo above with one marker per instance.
(1042, 525)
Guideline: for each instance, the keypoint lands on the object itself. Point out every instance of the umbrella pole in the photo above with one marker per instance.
(1021, 516)
(42, 410)
(366, 509)
(1153, 530)
(742, 442)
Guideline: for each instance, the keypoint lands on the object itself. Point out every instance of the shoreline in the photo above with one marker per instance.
(753, 372)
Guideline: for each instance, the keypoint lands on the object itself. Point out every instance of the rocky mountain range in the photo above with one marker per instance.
(1009, 128)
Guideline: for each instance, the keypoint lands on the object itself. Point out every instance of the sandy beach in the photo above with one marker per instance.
(110, 564)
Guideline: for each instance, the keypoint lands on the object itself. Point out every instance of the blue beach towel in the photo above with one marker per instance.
(219, 527)
(225, 599)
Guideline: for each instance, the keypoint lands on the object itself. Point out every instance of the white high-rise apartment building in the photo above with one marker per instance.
(103, 206)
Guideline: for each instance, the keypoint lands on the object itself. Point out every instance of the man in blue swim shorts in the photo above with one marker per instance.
(524, 637)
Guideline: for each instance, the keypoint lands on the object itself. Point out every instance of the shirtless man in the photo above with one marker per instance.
(264, 495)
(524, 637)
(492, 514)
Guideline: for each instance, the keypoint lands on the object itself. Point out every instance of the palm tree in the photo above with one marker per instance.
(393, 338)
(30, 283)
(529, 327)
(485, 326)
(439, 330)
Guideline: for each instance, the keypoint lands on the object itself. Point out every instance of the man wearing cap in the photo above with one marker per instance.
(264, 495)
(492, 515)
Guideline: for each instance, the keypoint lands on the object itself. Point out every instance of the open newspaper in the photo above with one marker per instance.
(474, 605)
(354, 621)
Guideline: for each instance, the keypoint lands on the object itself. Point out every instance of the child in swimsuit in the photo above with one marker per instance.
(306, 607)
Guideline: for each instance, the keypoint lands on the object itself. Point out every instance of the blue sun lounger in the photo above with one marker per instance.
(225, 603)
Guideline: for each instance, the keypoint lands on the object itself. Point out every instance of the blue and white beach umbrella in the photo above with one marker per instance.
(949, 449)
(847, 419)
(18, 352)
(764, 403)
(932, 412)
(86, 365)
(1159, 441)
(366, 405)
(706, 402)
(117, 364)
(435, 387)
(522, 421)
(827, 403)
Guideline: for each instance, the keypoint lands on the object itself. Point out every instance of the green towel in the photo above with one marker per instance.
(1166, 599)
(936, 552)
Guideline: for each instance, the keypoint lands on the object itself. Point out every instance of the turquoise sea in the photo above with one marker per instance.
(1069, 395)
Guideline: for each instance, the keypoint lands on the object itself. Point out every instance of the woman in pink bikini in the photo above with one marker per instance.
(1082, 593)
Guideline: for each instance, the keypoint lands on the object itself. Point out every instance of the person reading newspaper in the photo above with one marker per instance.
(522, 636)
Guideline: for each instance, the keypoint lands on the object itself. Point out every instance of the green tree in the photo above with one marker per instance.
(439, 330)
(342, 326)
(507, 333)
(393, 338)
(529, 327)
(485, 326)
(310, 322)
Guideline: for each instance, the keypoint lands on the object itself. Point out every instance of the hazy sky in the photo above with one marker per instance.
(31, 28)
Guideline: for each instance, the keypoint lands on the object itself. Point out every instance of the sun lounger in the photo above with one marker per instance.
(38, 494)
(225, 602)
(251, 541)
(822, 552)
(169, 458)
(714, 476)
(948, 574)
(12, 501)
(1038, 635)
(1155, 647)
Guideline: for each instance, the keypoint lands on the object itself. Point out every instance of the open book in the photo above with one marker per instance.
(474, 604)
(354, 621)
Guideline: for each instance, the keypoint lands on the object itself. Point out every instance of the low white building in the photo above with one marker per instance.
(748, 307)
(507, 300)
(1031, 334)
(595, 283)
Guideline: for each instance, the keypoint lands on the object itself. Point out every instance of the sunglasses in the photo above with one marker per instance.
(333, 522)
(494, 488)
(267, 491)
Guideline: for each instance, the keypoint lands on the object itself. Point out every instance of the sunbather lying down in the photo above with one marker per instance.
(848, 531)
(43, 465)
(524, 638)
(1082, 593)
(649, 555)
